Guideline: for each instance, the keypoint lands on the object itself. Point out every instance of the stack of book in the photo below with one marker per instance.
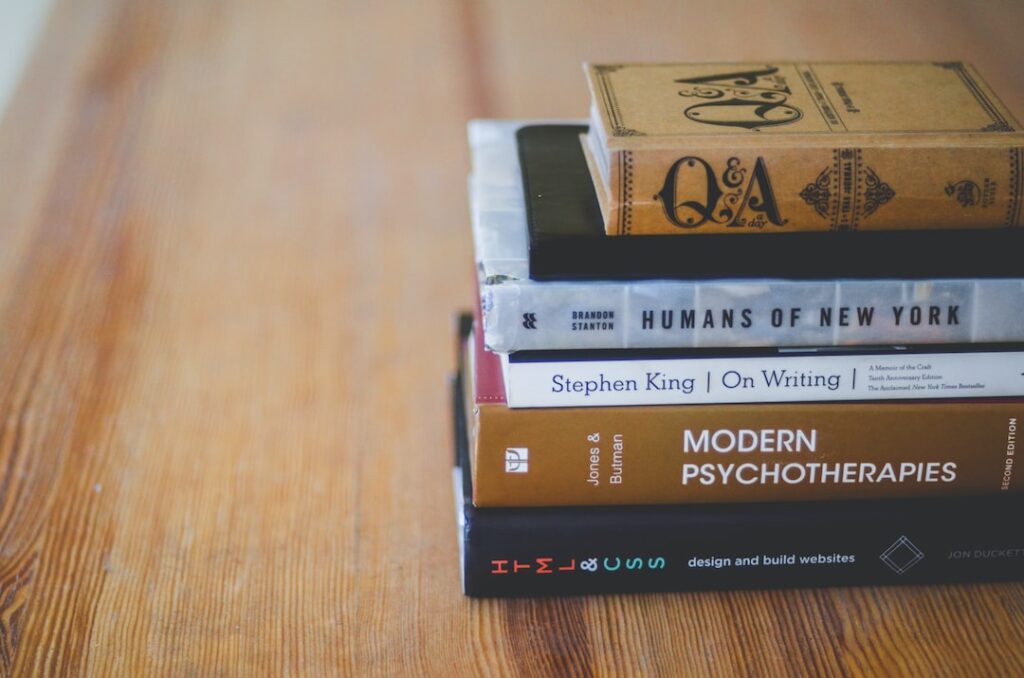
(751, 326)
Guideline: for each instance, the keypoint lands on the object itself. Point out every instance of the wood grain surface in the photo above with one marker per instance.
(232, 237)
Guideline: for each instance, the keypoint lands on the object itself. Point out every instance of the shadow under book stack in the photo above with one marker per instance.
(752, 326)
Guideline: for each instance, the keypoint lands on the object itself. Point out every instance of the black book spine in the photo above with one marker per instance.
(578, 551)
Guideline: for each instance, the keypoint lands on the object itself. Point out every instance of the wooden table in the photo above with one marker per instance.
(232, 238)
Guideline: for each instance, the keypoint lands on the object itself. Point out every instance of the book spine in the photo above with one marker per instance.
(813, 377)
(781, 189)
(524, 315)
(680, 454)
(566, 551)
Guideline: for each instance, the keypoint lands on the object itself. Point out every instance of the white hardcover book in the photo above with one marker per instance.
(785, 377)
(523, 314)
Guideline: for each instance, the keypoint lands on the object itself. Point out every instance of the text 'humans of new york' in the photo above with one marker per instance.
(843, 316)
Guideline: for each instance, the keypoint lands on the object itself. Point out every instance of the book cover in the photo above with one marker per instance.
(522, 314)
(673, 454)
(779, 147)
(629, 549)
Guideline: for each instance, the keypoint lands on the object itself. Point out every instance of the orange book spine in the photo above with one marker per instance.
(740, 453)
(741, 148)
(768, 190)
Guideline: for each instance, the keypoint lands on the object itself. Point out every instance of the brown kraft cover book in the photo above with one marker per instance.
(731, 453)
(777, 147)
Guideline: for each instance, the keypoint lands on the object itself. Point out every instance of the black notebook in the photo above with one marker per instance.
(567, 239)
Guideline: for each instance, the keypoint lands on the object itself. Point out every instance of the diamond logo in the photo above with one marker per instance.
(902, 555)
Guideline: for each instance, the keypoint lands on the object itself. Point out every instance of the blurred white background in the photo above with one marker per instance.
(21, 22)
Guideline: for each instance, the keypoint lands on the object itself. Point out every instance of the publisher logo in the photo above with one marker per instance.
(902, 555)
(530, 321)
(517, 460)
(970, 194)
(965, 192)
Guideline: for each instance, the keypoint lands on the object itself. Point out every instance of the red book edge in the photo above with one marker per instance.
(488, 383)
